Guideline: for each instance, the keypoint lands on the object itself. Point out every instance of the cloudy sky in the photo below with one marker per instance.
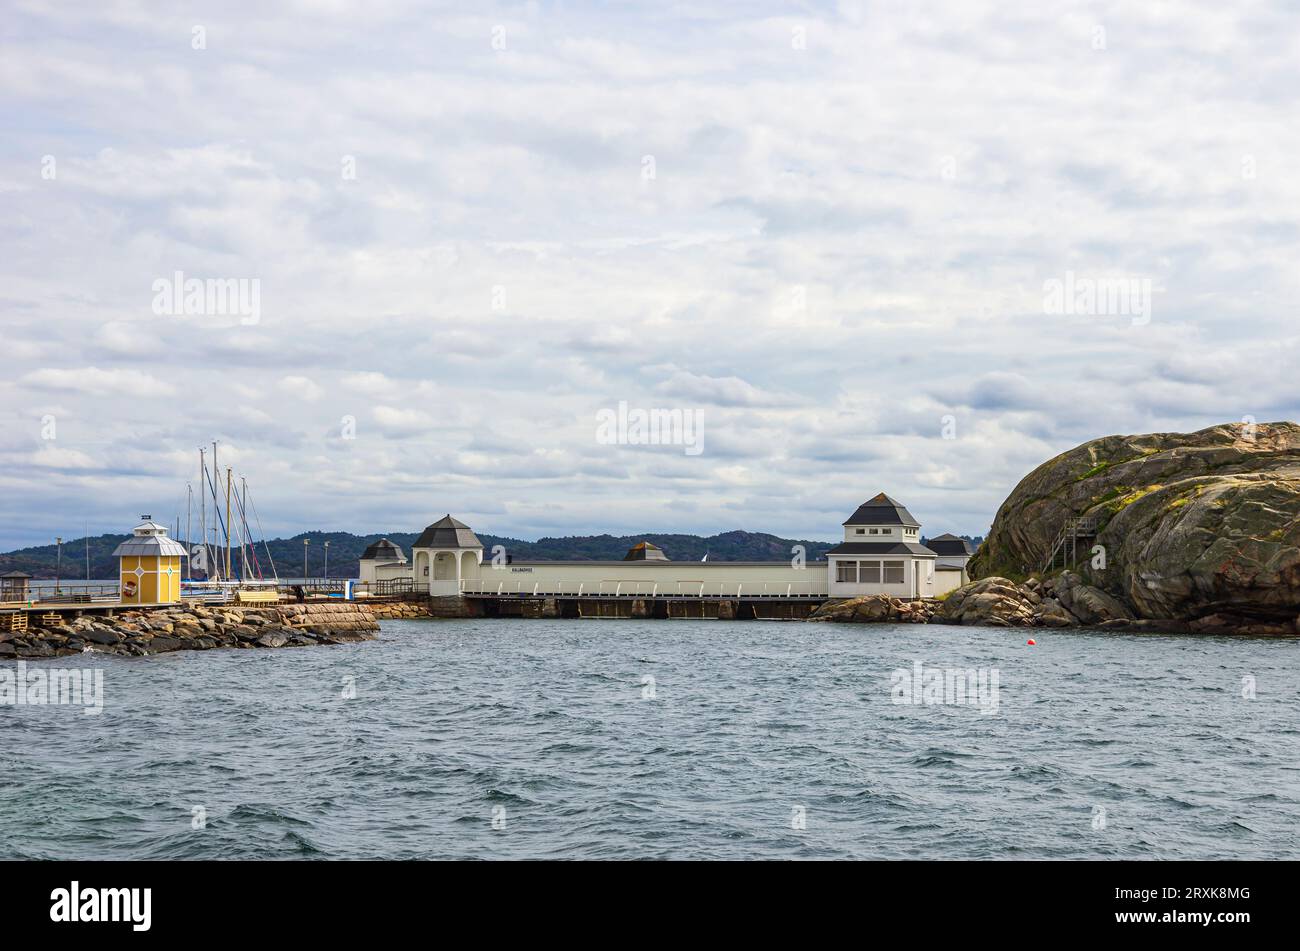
(826, 229)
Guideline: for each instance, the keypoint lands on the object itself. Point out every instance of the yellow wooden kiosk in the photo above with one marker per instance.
(149, 566)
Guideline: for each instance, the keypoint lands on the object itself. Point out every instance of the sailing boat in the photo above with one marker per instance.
(213, 554)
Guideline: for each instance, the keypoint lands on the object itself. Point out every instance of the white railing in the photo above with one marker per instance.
(644, 589)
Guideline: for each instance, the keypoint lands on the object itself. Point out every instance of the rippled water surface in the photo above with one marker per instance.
(542, 725)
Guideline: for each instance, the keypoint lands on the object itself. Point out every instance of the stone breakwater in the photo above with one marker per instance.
(194, 627)
(398, 610)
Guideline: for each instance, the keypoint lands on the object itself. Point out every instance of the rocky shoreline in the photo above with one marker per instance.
(1061, 602)
(398, 610)
(876, 609)
(194, 627)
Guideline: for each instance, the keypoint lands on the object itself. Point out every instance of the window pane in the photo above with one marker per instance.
(846, 571)
(871, 572)
(893, 572)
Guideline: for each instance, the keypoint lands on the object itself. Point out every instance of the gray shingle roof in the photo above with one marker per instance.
(383, 550)
(881, 548)
(950, 545)
(882, 510)
(447, 532)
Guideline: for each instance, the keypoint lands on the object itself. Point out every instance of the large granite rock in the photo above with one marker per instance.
(995, 601)
(1192, 524)
(874, 608)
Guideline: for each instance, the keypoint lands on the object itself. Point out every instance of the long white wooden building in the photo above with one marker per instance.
(881, 554)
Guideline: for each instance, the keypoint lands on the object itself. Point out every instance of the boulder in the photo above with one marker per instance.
(1051, 613)
(272, 639)
(873, 608)
(1092, 605)
(33, 649)
(995, 601)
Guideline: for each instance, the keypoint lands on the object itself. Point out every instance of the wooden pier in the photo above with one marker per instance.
(637, 607)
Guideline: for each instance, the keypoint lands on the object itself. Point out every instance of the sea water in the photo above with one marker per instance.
(669, 739)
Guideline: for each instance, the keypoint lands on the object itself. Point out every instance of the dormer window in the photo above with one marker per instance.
(886, 531)
(875, 531)
(861, 531)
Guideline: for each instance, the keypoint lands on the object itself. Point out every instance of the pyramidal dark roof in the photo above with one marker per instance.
(644, 551)
(447, 532)
(949, 544)
(882, 510)
(383, 550)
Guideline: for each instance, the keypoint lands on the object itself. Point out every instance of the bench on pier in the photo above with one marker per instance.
(257, 597)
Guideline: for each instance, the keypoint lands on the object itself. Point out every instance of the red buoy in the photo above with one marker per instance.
(1032, 642)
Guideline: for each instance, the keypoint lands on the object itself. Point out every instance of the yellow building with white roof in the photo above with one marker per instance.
(149, 566)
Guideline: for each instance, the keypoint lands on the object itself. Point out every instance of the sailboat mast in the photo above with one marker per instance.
(228, 573)
(243, 522)
(189, 499)
(216, 512)
(203, 514)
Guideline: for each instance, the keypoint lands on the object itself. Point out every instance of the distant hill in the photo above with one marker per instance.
(346, 550)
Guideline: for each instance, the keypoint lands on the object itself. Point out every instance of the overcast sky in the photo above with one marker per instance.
(823, 228)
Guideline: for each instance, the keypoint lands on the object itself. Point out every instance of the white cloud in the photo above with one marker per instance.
(301, 387)
(50, 456)
(398, 422)
(93, 381)
(839, 246)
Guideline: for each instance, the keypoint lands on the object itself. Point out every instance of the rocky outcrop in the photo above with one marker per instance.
(1066, 601)
(195, 627)
(1190, 525)
(874, 608)
(994, 601)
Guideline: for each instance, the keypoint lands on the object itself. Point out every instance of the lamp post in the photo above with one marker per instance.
(58, 563)
(305, 543)
(327, 560)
